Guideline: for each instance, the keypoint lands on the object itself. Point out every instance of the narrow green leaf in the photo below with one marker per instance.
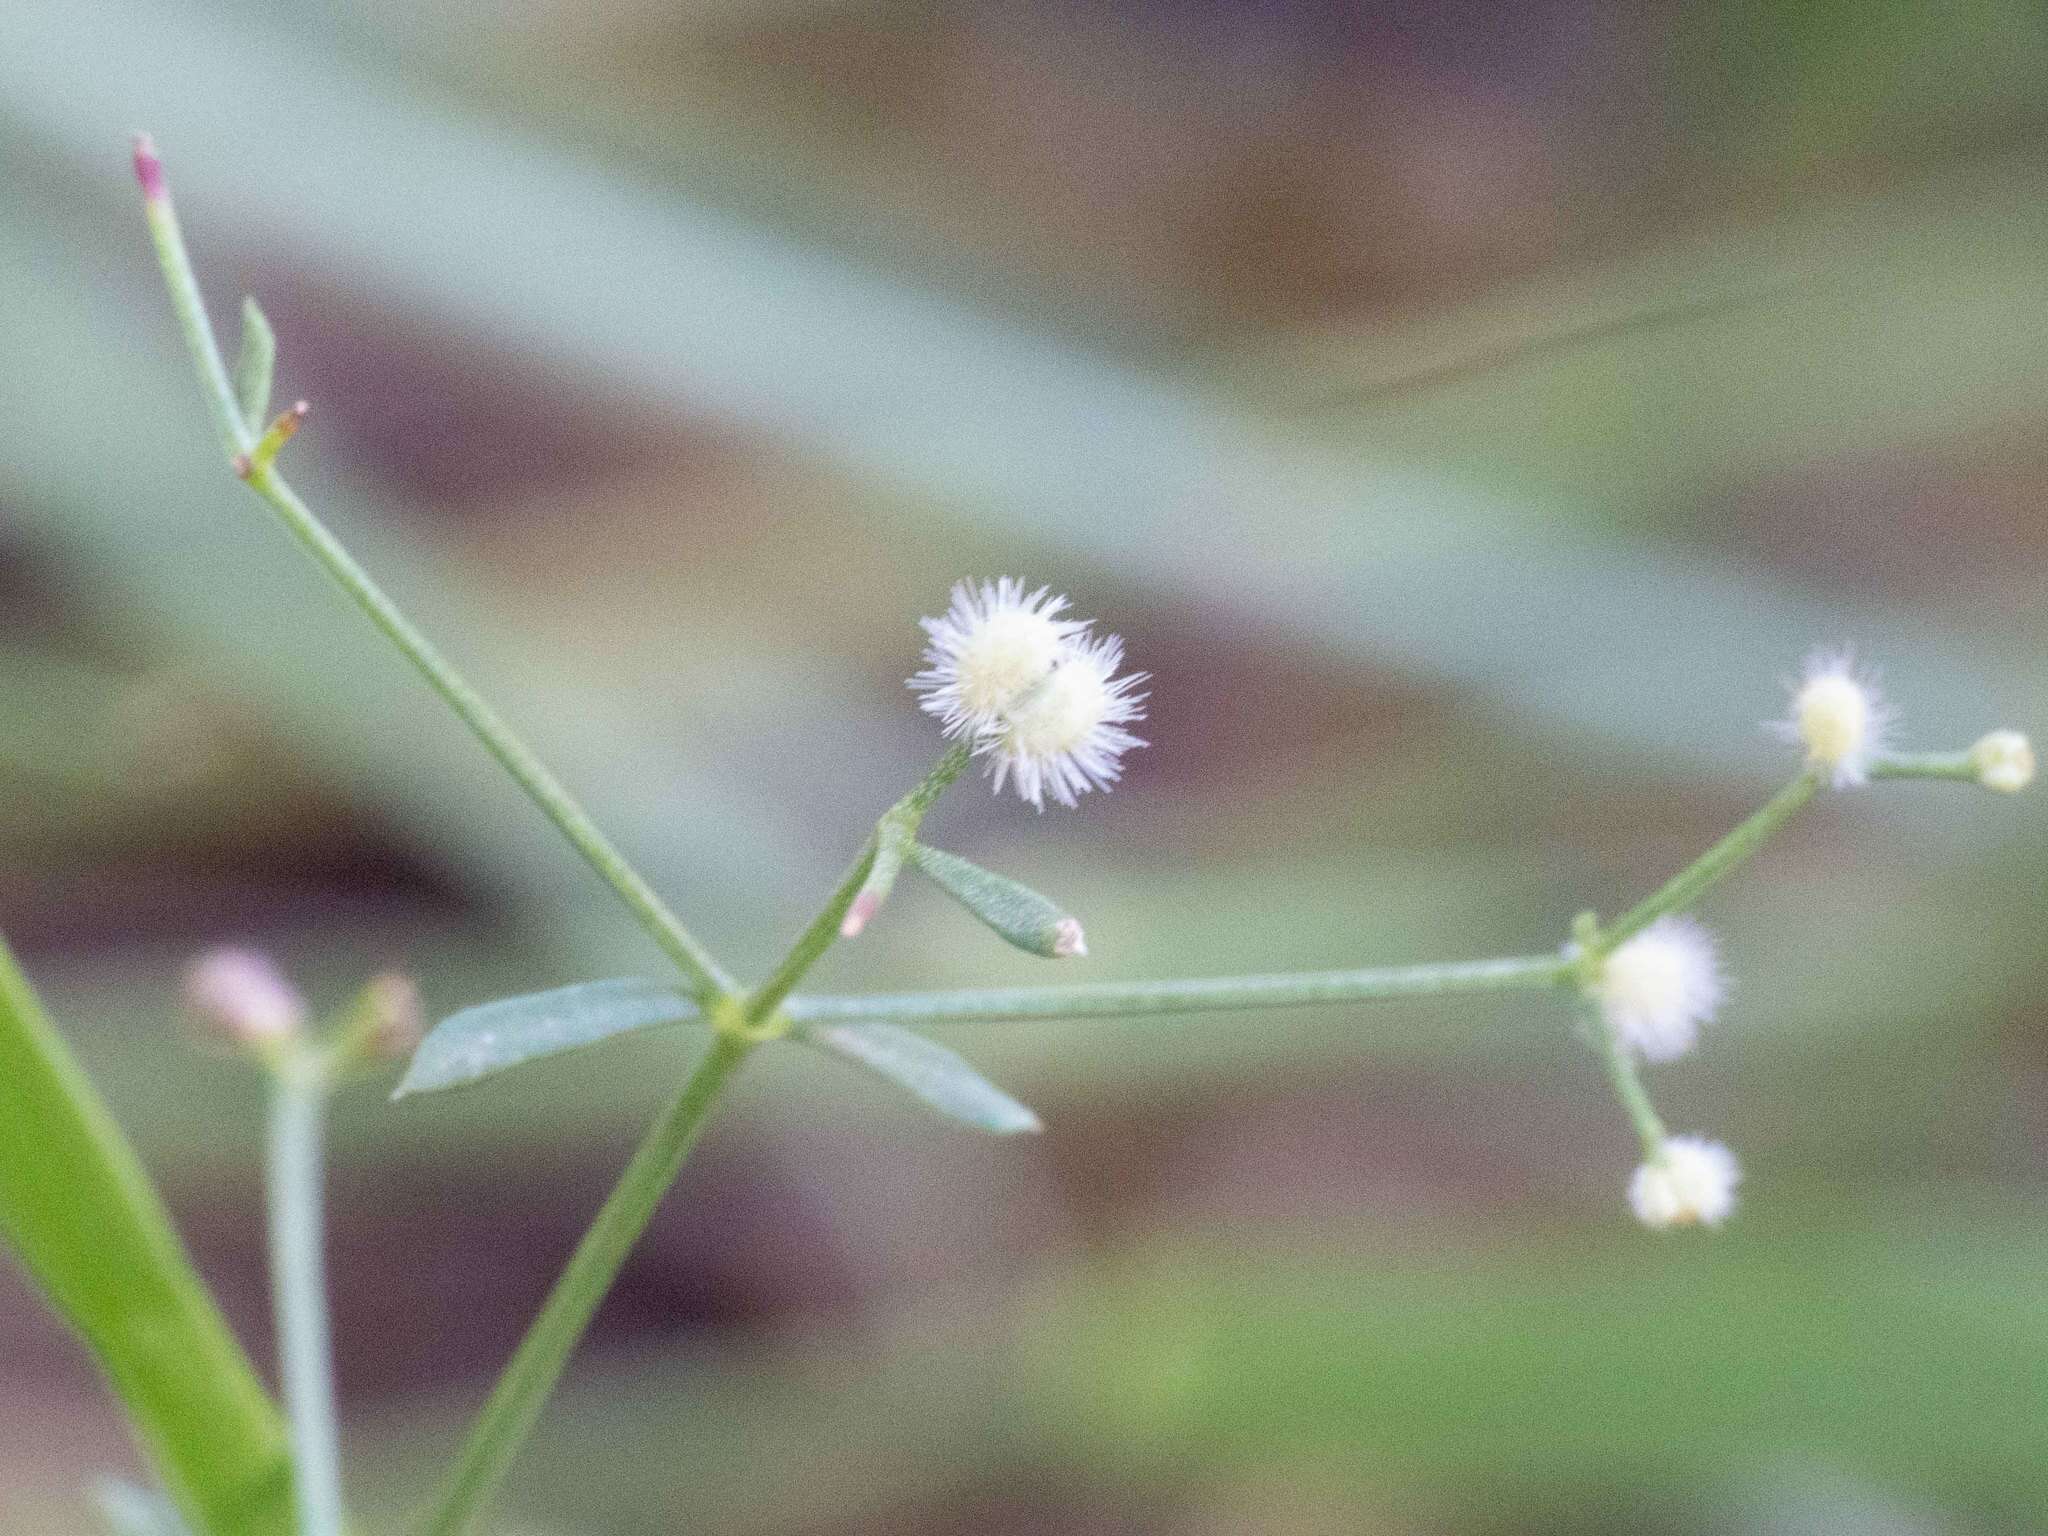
(938, 1077)
(78, 1210)
(127, 1510)
(494, 1037)
(254, 366)
(1016, 912)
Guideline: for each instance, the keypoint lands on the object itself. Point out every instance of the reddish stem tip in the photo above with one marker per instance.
(149, 170)
(865, 905)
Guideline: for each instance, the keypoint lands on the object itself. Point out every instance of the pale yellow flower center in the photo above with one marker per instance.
(1834, 718)
(1006, 655)
(1060, 714)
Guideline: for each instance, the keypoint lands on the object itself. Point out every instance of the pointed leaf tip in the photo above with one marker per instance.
(1013, 911)
(937, 1077)
(494, 1037)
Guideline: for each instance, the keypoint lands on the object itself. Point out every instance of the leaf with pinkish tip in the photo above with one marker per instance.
(1015, 912)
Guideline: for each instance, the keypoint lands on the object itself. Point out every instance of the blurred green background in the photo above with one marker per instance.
(1469, 414)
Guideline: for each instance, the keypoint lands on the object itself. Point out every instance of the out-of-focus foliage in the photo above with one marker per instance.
(1467, 415)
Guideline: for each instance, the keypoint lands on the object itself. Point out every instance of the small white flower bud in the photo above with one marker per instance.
(2004, 760)
(1838, 717)
(243, 999)
(1690, 1182)
(1656, 990)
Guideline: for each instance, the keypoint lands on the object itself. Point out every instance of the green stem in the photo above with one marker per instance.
(901, 819)
(1203, 994)
(236, 437)
(1689, 884)
(1927, 765)
(709, 981)
(1623, 1073)
(298, 1274)
(515, 1402)
(81, 1214)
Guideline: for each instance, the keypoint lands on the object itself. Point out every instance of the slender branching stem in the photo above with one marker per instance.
(708, 980)
(1195, 995)
(1627, 1081)
(1689, 884)
(298, 1278)
(1929, 765)
(516, 1401)
(743, 1019)
(900, 821)
(189, 303)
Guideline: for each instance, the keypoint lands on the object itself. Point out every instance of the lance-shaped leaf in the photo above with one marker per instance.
(1016, 912)
(494, 1037)
(127, 1510)
(254, 365)
(935, 1076)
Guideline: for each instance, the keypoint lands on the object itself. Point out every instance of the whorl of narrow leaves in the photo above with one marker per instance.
(1016, 912)
(935, 1076)
(494, 1037)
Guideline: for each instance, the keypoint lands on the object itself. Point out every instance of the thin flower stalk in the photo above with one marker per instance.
(298, 1271)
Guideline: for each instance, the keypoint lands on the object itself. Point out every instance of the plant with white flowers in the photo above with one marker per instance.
(1042, 700)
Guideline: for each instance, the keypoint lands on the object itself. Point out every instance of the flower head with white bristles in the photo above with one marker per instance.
(1690, 1181)
(993, 644)
(1839, 717)
(1658, 988)
(1037, 695)
(2004, 761)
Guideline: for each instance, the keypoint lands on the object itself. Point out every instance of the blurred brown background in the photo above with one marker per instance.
(1469, 414)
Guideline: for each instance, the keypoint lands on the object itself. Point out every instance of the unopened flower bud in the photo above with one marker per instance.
(241, 997)
(2004, 760)
(393, 1018)
(1690, 1182)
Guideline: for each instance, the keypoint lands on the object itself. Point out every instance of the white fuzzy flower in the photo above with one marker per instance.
(2004, 760)
(1690, 1182)
(992, 646)
(1066, 736)
(1656, 990)
(1037, 695)
(1838, 716)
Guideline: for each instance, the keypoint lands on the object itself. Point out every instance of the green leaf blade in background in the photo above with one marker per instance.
(936, 1077)
(80, 1213)
(495, 1037)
